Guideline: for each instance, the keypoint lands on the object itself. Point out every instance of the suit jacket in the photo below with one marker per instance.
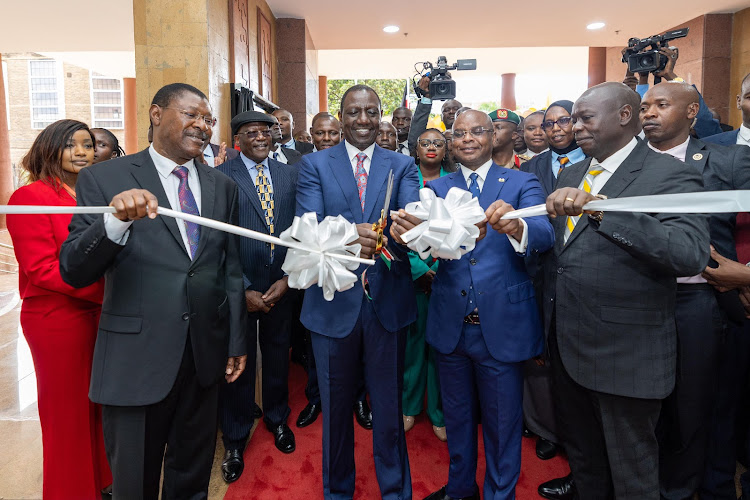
(303, 147)
(541, 166)
(292, 156)
(231, 152)
(155, 295)
(326, 186)
(510, 320)
(256, 255)
(723, 139)
(612, 286)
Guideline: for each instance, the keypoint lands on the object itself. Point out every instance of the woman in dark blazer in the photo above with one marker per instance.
(59, 321)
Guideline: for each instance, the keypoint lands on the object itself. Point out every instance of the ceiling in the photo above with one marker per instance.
(490, 23)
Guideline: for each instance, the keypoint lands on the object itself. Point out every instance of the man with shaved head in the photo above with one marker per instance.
(667, 112)
(325, 131)
(402, 121)
(286, 122)
(609, 294)
(387, 136)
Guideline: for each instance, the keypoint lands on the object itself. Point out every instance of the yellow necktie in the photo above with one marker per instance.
(588, 181)
(265, 193)
(564, 160)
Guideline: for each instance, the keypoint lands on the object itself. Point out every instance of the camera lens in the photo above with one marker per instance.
(647, 60)
(443, 89)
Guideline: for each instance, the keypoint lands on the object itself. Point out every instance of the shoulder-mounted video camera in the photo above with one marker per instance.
(641, 60)
(442, 86)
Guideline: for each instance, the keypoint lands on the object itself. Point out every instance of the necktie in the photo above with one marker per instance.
(188, 206)
(564, 160)
(474, 185)
(401, 147)
(265, 193)
(276, 155)
(361, 177)
(588, 181)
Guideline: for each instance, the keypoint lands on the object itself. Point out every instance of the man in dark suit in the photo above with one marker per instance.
(173, 320)
(367, 322)
(667, 112)
(483, 319)
(278, 152)
(267, 203)
(609, 298)
(742, 134)
(286, 122)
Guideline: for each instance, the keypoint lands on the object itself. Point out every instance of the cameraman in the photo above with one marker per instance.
(705, 124)
(422, 114)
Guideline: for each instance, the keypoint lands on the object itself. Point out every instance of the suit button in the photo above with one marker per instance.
(463, 293)
(191, 274)
(560, 270)
(473, 262)
(185, 316)
(616, 236)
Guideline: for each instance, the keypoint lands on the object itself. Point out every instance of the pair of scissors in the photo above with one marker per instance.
(379, 226)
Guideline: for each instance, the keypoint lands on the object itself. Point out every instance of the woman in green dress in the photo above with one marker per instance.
(420, 371)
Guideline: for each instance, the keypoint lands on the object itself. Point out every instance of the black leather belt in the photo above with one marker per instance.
(694, 286)
(472, 319)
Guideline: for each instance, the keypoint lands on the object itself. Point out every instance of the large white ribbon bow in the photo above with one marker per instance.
(327, 257)
(449, 229)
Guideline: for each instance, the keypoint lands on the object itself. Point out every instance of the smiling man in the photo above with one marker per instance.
(369, 321)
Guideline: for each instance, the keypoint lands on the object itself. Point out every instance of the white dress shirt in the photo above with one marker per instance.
(743, 136)
(208, 155)
(118, 231)
(610, 166)
(278, 157)
(518, 246)
(532, 154)
(403, 148)
(353, 151)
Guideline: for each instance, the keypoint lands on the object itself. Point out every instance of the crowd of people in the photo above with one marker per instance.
(617, 338)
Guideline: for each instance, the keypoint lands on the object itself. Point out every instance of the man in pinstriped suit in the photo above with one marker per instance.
(267, 203)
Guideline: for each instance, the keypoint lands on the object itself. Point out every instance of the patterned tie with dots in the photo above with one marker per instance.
(265, 193)
(361, 177)
(188, 206)
(564, 160)
(588, 181)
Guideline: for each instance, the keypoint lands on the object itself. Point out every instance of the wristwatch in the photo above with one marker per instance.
(598, 216)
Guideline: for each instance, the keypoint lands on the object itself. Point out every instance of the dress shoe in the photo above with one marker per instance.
(545, 449)
(363, 414)
(257, 412)
(308, 415)
(232, 466)
(561, 488)
(408, 423)
(440, 433)
(283, 438)
(527, 433)
(442, 495)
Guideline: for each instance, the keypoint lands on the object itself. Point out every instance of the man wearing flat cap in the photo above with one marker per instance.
(505, 124)
(267, 203)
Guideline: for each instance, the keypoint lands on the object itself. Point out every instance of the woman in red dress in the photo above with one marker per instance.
(59, 322)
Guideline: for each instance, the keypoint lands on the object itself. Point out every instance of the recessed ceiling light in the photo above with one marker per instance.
(595, 26)
(391, 28)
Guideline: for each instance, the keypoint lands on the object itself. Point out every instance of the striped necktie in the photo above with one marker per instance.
(564, 160)
(588, 181)
(361, 177)
(188, 206)
(265, 193)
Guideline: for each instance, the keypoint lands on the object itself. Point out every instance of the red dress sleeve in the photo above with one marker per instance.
(37, 240)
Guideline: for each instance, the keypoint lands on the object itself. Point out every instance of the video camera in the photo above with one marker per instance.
(442, 86)
(649, 61)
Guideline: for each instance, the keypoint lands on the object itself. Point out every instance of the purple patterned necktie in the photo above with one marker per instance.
(188, 206)
(361, 177)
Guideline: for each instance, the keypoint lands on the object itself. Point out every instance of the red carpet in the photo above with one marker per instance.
(271, 475)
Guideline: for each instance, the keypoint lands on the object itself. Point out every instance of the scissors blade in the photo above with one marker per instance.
(388, 192)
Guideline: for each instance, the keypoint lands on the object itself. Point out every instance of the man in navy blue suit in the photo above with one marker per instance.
(742, 134)
(483, 319)
(267, 203)
(367, 323)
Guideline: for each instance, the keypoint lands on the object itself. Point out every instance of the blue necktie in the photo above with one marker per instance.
(471, 304)
(188, 206)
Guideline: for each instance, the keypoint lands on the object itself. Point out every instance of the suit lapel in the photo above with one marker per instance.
(573, 179)
(696, 155)
(242, 177)
(548, 180)
(379, 168)
(493, 184)
(145, 174)
(341, 168)
(208, 201)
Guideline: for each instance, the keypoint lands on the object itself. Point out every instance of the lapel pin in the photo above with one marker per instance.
(697, 157)
(501, 179)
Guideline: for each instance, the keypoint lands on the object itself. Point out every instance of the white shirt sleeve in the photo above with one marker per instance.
(520, 246)
(117, 230)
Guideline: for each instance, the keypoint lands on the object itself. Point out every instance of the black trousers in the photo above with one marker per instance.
(237, 400)
(682, 430)
(609, 439)
(184, 422)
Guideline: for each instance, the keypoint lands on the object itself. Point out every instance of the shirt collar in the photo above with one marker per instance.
(744, 132)
(250, 164)
(481, 171)
(679, 151)
(574, 156)
(613, 162)
(289, 144)
(353, 151)
(165, 166)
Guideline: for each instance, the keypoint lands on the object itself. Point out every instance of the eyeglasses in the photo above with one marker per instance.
(208, 119)
(252, 134)
(475, 132)
(561, 122)
(426, 143)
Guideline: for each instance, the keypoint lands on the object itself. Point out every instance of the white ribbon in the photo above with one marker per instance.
(333, 241)
(330, 253)
(449, 229)
(705, 202)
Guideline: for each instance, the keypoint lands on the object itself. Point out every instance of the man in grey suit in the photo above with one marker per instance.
(173, 317)
(609, 298)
